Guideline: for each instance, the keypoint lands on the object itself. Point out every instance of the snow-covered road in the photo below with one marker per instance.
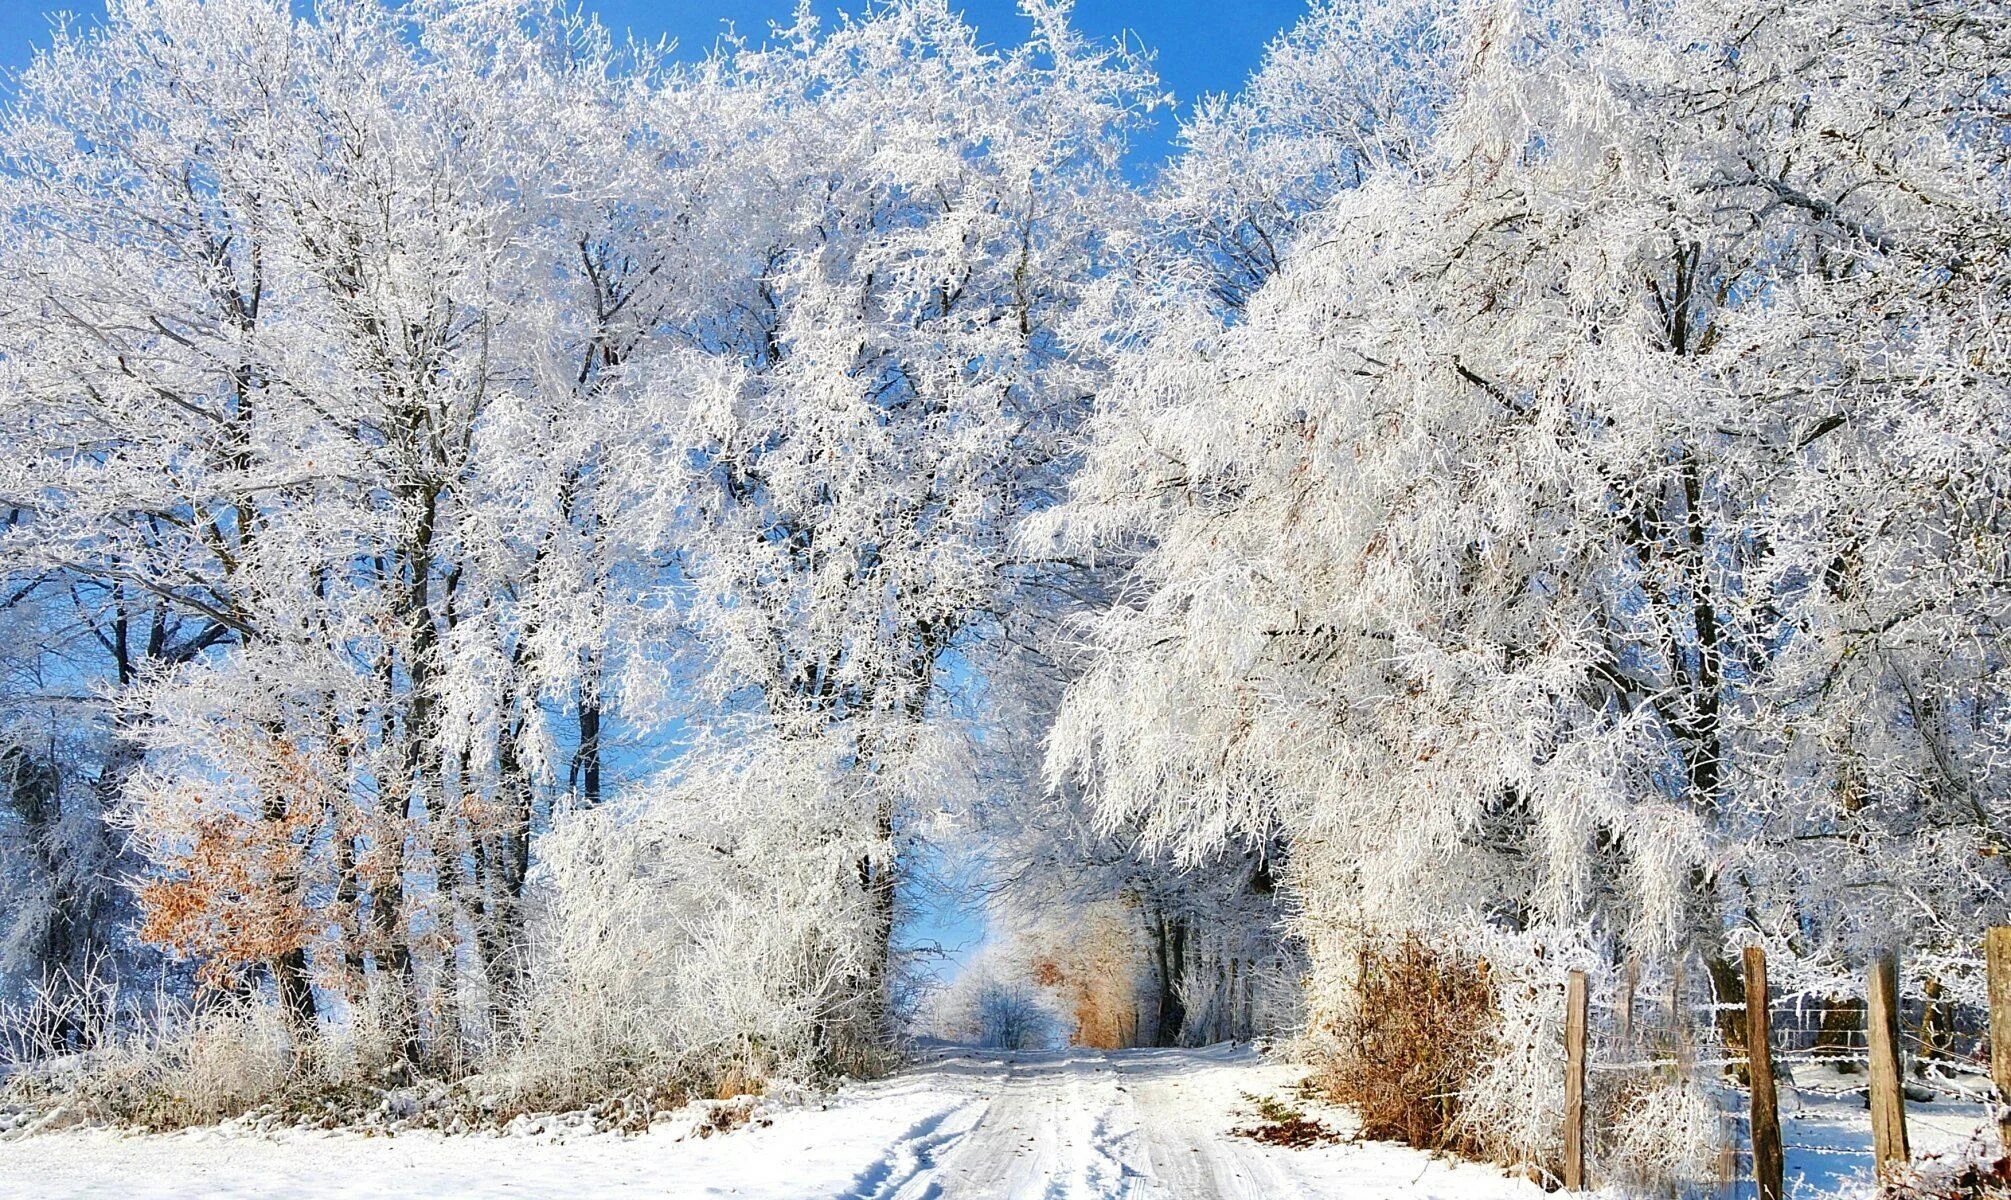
(968, 1124)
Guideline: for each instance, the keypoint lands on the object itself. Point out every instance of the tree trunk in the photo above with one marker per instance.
(422, 642)
(295, 989)
(1170, 958)
(504, 859)
(1937, 1031)
(1728, 995)
(872, 990)
(34, 791)
(1837, 1038)
(587, 758)
(289, 970)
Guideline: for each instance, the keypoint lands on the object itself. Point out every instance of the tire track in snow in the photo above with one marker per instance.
(905, 1171)
(1183, 1098)
(1058, 1129)
(1140, 1125)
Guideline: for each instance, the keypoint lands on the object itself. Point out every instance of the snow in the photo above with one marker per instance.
(1826, 1128)
(1061, 1125)
(1069, 1125)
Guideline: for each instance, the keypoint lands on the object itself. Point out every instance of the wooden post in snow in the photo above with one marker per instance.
(1768, 1167)
(1888, 1100)
(1997, 956)
(1574, 1082)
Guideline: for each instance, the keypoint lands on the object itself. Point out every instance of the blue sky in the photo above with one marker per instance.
(1202, 45)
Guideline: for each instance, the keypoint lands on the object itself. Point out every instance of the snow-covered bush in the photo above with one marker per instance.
(713, 926)
(1456, 1041)
(1012, 1017)
(173, 1065)
(992, 1004)
(1513, 1104)
(1659, 1126)
(87, 1051)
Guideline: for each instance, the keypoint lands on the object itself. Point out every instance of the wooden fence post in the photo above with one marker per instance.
(1888, 1101)
(1997, 956)
(1574, 1082)
(1768, 1168)
(1630, 981)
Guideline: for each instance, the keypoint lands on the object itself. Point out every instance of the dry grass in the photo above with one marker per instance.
(172, 1069)
(177, 1063)
(1283, 1125)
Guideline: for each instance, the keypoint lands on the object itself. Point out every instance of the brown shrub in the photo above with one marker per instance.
(1422, 1025)
(232, 900)
(231, 889)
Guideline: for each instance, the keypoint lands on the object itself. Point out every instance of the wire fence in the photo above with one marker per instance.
(1800, 1041)
(1854, 1070)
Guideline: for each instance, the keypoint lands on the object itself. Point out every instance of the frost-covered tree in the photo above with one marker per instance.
(893, 391)
(445, 393)
(329, 291)
(1508, 554)
(131, 477)
(1351, 90)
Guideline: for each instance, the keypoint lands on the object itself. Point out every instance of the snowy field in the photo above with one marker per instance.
(1065, 1125)
(1826, 1129)
(1061, 1125)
